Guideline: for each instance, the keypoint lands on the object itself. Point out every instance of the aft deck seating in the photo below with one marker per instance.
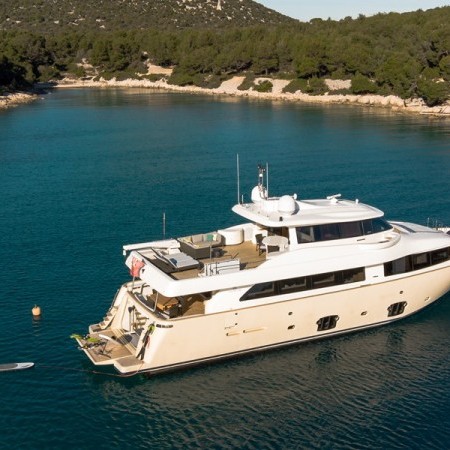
(176, 261)
(181, 261)
(199, 246)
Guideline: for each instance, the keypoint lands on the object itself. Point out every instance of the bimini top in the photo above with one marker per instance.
(288, 211)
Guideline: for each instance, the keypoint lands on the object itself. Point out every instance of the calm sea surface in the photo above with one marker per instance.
(83, 172)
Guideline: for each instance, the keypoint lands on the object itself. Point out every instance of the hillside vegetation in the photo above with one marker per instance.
(402, 54)
(52, 16)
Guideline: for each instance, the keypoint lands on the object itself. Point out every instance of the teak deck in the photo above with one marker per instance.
(246, 252)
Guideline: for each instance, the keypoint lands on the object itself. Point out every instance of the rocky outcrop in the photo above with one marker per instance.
(13, 99)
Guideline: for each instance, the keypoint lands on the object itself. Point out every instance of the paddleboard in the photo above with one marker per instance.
(16, 366)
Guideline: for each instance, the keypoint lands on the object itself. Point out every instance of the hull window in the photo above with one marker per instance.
(294, 285)
(421, 260)
(401, 265)
(396, 309)
(439, 256)
(324, 280)
(260, 290)
(299, 284)
(327, 323)
(416, 262)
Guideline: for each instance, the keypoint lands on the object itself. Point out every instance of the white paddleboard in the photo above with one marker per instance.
(15, 366)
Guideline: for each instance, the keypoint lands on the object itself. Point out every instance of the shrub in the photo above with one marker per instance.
(154, 77)
(122, 76)
(248, 82)
(208, 82)
(76, 70)
(299, 84)
(181, 79)
(48, 73)
(444, 65)
(433, 93)
(316, 86)
(264, 86)
(106, 76)
(362, 85)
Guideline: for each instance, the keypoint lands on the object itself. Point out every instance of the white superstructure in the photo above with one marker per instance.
(296, 270)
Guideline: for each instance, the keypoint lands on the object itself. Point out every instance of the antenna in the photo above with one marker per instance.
(164, 224)
(238, 181)
(261, 171)
(261, 188)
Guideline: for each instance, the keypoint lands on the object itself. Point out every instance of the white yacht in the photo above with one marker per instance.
(294, 271)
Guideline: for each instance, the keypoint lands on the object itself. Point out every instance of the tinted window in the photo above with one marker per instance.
(421, 260)
(305, 234)
(293, 285)
(379, 225)
(439, 256)
(324, 280)
(350, 229)
(353, 275)
(416, 262)
(400, 265)
(259, 290)
(299, 284)
(327, 232)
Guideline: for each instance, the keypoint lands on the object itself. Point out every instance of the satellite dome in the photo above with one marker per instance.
(287, 205)
(258, 194)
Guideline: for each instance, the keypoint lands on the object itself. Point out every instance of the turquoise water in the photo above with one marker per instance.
(83, 172)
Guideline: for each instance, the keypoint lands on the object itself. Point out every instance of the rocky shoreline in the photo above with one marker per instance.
(10, 100)
(230, 88)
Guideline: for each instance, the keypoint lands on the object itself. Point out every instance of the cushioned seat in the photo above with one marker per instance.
(199, 245)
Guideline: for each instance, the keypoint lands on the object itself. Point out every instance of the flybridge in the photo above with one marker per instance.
(288, 210)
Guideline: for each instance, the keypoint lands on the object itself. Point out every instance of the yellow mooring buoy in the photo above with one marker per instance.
(36, 311)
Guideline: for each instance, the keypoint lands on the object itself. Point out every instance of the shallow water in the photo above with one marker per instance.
(83, 172)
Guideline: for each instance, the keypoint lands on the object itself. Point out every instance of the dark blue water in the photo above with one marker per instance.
(83, 172)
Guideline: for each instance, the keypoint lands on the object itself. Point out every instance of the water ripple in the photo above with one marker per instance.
(84, 172)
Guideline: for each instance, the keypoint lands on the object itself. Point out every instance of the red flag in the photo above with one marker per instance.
(136, 266)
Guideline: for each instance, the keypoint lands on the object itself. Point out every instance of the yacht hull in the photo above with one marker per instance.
(188, 341)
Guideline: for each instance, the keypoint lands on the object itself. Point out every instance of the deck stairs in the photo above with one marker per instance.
(109, 317)
(139, 321)
(105, 322)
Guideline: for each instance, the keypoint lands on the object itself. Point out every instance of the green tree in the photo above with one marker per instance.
(11, 75)
(399, 73)
(433, 92)
(444, 66)
(362, 85)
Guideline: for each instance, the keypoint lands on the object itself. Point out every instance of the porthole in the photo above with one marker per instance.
(291, 327)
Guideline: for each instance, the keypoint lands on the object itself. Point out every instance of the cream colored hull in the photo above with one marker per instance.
(196, 339)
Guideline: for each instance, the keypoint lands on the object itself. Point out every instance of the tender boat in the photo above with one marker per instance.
(8, 367)
(294, 271)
